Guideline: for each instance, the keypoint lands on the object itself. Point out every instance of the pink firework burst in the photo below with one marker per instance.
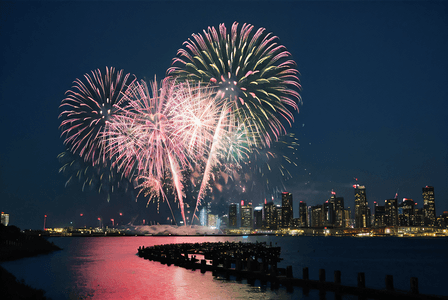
(87, 109)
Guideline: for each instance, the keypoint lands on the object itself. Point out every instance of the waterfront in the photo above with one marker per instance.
(108, 267)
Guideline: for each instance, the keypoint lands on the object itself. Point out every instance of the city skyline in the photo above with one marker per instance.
(374, 88)
(332, 214)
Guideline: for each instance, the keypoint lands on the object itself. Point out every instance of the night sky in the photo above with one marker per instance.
(374, 77)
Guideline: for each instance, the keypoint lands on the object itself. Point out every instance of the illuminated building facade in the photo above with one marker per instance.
(212, 221)
(328, 214)
(391, 212)
(303, 219)
(258, 217)
(348, 221)
(317, 216)
(429, 206)
(270, 216)
(338, 210)
(246, 215)
(233, 216)
(407, 216)
(5, 219)
(287, 212)
(380, 215)
(419, 216)
(362, 211)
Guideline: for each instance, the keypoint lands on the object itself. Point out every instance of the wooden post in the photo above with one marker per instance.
(306, 275)
(414, 285)
(322, 275)
(203, 267)
(289, 272)
(361, 280)
(389, 282)
(337, 277)
(168, 259)
(238, 264)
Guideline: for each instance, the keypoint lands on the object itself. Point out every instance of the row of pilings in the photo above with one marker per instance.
(258, 261)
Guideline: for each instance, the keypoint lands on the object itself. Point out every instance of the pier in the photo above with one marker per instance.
(258, 261)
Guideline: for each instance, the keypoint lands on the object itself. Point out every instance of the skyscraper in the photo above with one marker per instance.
(270, 216)
(233, 216)
(328, 213)
(429, 206)
(287, 212)
(5, 219)
(258, 217)
(391, 212)
(246, 215)
(316, 216)
(407, 218)
(338, 208)
(303, 222)
(362, 215)
(380, 215)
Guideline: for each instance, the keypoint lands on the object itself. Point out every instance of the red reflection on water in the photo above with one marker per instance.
(110, 269)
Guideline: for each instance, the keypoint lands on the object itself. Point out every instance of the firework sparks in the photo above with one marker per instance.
(103, 178)
(87, 109)
(254, 73)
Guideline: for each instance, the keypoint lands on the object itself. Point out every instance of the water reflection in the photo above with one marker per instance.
(108, 268)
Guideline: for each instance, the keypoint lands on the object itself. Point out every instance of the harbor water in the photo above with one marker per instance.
(109, 268)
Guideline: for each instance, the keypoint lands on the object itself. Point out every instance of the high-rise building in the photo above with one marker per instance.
(212, 221)
(270, 216)
(287, 212)
(380, 215)
(317, 216)
(246, 215)
(328, 213)
(407, 217)
(233, 216)
(5, 219)
(337, 218)
(348, 221)
(419, 216)
(391, 212)
(303, 222)
(429, 206)
(203, 216)
(258, 217)
(362, 211)
(278, 215)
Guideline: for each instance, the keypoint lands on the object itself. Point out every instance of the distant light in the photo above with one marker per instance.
(81, 215)
(242, 202)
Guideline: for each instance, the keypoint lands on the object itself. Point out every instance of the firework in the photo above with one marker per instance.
(160, 133)
(270, 167)
(251, 71)
(103, 178)
(87, 110)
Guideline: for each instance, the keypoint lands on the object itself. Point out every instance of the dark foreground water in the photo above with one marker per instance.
(108, 268)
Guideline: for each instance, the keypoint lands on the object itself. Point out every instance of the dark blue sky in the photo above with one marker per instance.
(374, 77)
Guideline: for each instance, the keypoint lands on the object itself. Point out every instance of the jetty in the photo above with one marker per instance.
(259, 261)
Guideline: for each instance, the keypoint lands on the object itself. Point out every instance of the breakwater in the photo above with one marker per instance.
(258, 261)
